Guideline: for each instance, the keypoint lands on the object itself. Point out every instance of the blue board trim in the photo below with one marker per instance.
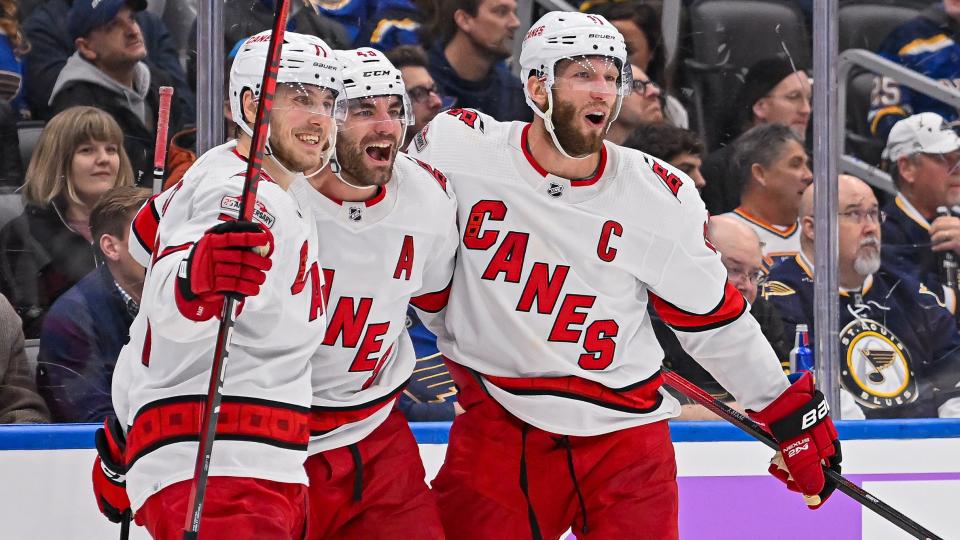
(73, 436)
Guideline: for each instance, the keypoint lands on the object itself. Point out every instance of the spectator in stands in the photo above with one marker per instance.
(640, 25)
(13, 45)
(772, 92)
(431, 395)
(244, 18)
(51, 44)
(642, 106)
(19, 401)
(679, 147)
(107, 72)
(901, 345)
(775, 170)
(741, 254)
(47, 249)
(424, 93)
(89, 324)
(472, 38)
(926, 44)
(924, 154)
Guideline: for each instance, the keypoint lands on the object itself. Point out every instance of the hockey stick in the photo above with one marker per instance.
(125, 527)
(211, 410)
(753, 429)
(160, 148)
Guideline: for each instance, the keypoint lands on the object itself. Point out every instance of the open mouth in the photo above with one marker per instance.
(379, 152)
(595, 118)
(308, 138)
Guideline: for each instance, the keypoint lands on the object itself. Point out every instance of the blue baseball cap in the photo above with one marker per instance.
(88, 15)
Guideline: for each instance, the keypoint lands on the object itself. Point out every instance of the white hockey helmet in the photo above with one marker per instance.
(368, 73)
(570, 35)
(304, 60)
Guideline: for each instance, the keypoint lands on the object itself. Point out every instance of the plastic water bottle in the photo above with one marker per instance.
(801, 356)
(948, 261)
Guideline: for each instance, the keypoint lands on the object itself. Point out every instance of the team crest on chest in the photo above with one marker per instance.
(554, 189)
(877, 368)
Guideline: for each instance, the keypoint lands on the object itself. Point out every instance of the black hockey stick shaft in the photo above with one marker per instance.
(125, 527)
(753, 429)
(211, 410)
(160, 147)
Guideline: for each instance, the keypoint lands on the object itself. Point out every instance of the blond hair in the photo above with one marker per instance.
(48, 175)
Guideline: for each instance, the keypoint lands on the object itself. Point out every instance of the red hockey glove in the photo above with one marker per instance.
(109, 472)
(230, 258)
(800, 421)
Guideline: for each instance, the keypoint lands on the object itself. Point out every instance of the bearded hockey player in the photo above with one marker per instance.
(388, 229)
(565, 239)
(257, 485)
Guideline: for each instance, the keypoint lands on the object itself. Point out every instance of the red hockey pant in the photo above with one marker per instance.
(373, 489)
(621, 485)
(234, 508)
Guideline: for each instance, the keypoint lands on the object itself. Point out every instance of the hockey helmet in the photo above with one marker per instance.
(304, 60)
(565, 35)
(368, 74)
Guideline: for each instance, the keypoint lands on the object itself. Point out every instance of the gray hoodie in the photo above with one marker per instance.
(79, 70)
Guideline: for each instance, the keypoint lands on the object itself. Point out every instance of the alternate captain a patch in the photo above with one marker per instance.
(877, 368)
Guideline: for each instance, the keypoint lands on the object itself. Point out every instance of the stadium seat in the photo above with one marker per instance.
(727, 37)
(11, 206)
(28, 133)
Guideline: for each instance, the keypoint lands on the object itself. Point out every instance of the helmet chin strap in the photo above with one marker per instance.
(337, 169)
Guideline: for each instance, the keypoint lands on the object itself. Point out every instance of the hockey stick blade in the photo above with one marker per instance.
(753, 429)
(211, 410)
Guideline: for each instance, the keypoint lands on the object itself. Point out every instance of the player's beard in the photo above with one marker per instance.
(574, 142)
(352, 159)
(868, 260)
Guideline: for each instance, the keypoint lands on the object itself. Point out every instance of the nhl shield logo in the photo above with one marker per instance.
(555, 189)
(355, 213)
(877, 369)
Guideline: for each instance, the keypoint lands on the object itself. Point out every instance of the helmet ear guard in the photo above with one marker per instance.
(561, 35)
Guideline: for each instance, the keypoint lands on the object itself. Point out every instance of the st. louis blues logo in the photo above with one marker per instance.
(877, 369)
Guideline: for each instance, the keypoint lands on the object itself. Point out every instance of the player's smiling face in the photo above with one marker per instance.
(370, 139)
(584, 95)
(300, 125)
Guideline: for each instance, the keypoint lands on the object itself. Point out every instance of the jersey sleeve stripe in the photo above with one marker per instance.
(432, 302)
(728, 310)
(168, 421)
(145, 225)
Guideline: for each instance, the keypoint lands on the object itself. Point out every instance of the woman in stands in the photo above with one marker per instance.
(47, 249)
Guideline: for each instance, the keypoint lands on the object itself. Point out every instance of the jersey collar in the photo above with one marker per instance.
(911, 212)
(555, 187)
(807, 266)
(779, 230)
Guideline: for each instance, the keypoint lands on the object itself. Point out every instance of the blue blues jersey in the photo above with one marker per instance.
(926, 44)
(899, 346)
(431, 393)
(907, 248)
(381, 24)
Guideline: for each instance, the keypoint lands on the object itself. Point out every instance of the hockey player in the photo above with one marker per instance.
(257, 485)
(388, 224)
(565, 239)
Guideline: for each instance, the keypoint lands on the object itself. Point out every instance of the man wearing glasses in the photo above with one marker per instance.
(898, 345)
(923, 152)
(423, 91)
(642, 106)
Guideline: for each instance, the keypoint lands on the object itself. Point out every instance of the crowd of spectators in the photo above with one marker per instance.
(91, 69)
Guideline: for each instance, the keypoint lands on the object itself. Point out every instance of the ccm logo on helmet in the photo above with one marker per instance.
(376, 73)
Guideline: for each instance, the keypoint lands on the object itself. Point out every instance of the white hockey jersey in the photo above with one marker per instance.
(778, 242)
(376, 256)
(160, 382)
(549, 298)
